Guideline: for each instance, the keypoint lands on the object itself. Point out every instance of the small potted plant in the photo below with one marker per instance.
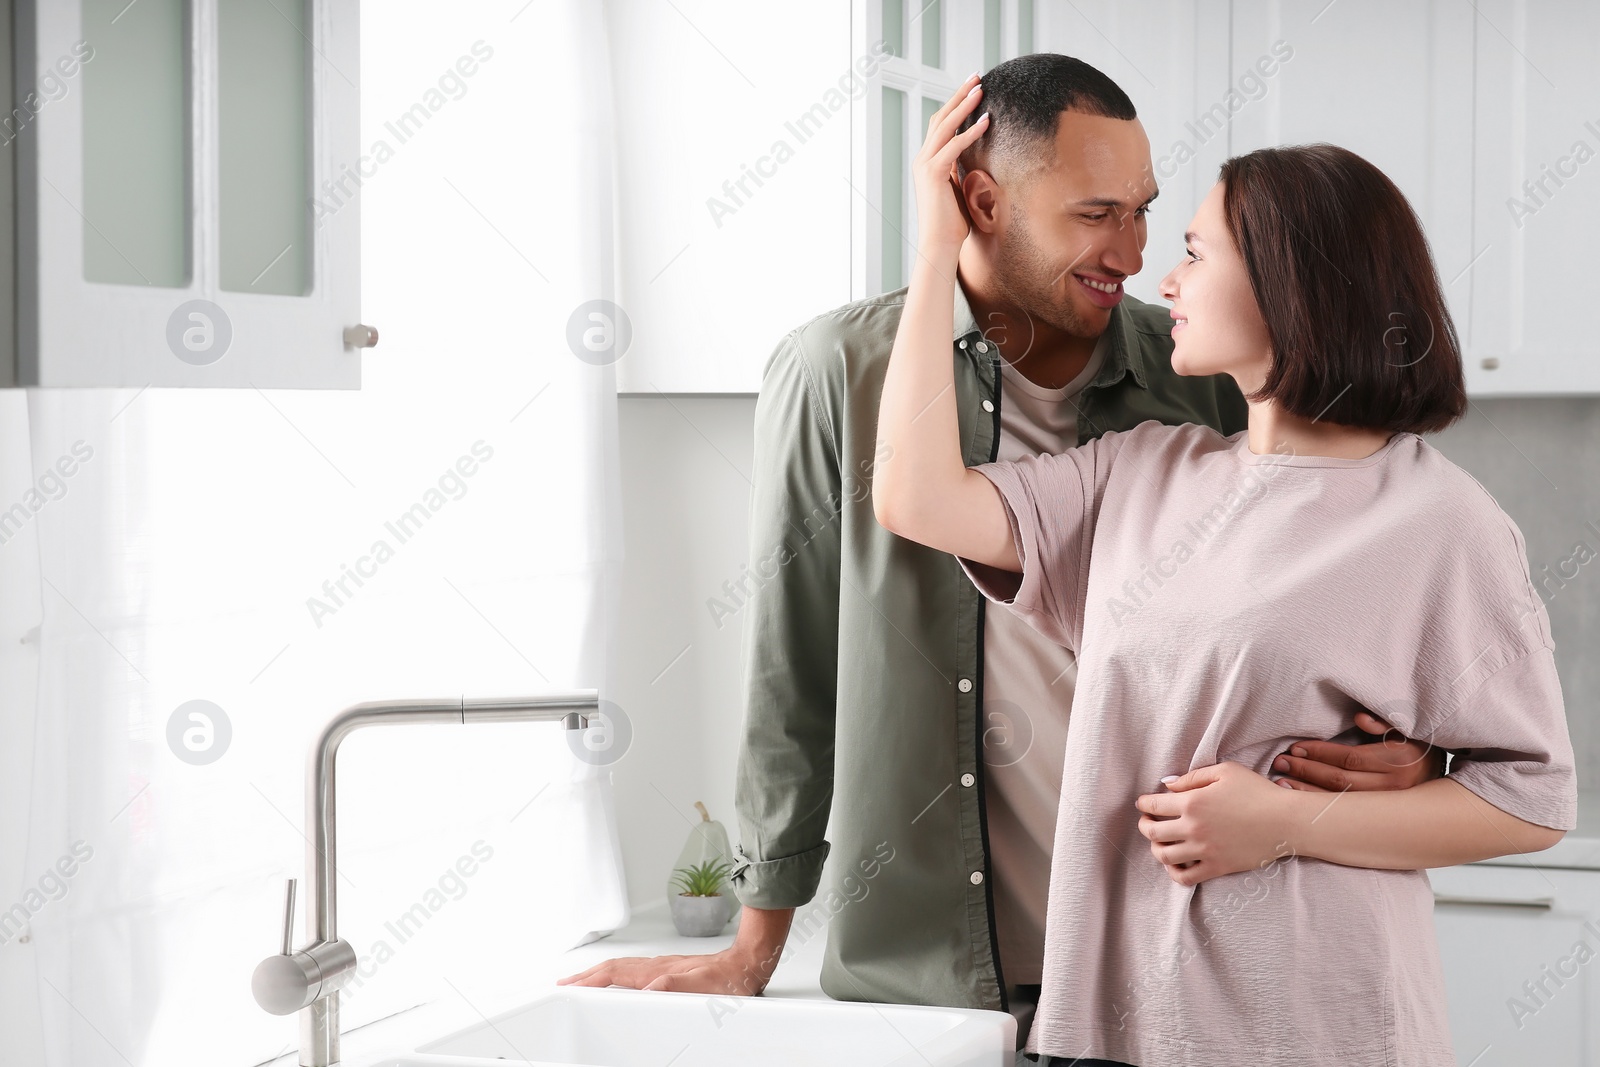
(701, 909)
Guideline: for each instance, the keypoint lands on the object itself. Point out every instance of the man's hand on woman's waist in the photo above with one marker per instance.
(1392, 762)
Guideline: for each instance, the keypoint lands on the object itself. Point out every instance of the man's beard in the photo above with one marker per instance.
(1024, 276)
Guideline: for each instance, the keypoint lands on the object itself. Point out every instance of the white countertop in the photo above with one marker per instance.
(1579, 850)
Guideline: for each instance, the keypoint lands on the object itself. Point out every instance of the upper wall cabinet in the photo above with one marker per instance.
(786, 190)
(1392, 83)
(734, 134)
(1536, 180)
(185, 176)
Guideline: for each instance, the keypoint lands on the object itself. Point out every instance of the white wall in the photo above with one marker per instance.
(686, 492)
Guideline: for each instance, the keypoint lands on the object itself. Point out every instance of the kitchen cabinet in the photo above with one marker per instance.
(1521, 952)
(734, 133)
(1483, 115)
(1414, 121)
(183, 194)
(1536, 181)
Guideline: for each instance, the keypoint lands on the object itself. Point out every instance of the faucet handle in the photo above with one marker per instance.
(288, 919)
(289, 981)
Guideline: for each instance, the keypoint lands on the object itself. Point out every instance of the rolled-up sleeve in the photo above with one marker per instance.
(1052, 503)
(784, 786)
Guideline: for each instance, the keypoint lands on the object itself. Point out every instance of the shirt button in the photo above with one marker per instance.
(967, 779)
(962, 343)
(988, 405)
(977, 877)
(983, 346)
(965, 685)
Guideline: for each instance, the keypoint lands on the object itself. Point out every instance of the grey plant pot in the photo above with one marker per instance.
(700, 916)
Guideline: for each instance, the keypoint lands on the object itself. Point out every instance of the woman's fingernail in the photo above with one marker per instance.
(1281, 763)
(1169, 778)
(1298, 751)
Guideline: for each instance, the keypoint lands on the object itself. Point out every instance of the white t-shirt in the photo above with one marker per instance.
(1028, 681)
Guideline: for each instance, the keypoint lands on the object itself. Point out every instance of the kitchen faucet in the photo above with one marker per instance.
(308, 981)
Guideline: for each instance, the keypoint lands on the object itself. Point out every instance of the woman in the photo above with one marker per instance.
(1227, 597)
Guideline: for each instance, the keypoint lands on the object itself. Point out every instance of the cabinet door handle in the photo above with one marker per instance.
(361, 336)
(1536, 903)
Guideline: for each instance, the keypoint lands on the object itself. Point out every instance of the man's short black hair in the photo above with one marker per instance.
(1025, 97)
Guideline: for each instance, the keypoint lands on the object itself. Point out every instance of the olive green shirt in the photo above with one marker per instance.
(864, 656)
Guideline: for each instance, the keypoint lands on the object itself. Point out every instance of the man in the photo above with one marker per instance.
(880, 691)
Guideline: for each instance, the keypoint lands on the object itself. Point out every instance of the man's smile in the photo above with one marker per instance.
(1103, 291)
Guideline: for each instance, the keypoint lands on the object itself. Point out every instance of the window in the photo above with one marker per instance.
(931, 47)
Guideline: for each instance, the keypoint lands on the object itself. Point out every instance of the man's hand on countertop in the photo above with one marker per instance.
(741, 970)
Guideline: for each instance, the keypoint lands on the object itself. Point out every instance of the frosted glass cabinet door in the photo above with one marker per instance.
(172, 224)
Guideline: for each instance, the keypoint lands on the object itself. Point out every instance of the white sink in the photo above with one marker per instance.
(628, 1028)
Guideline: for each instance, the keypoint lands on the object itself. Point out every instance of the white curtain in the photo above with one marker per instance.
(247, 549)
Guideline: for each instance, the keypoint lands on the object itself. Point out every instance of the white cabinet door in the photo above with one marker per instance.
(1537, 173)
(1521, 954)
(733, 136)
(1392, 83)
(1171, 58)
(186, 193)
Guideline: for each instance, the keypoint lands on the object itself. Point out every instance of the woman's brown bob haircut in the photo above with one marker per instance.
(1347, 287)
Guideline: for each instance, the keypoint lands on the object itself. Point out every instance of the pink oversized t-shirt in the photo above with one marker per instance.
(1224, 605)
